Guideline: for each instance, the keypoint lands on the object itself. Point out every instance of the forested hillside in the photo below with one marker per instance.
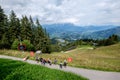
(15, 32)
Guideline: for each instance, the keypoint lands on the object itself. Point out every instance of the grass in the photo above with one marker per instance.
(103, 58)
(16, 70)
(85, 47)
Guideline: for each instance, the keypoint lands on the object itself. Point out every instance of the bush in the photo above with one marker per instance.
(15, 44)
(27, 44)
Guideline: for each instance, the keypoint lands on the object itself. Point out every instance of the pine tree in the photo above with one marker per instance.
(2, 15)
(2, 24)
(26, 31)
(32, 25)
(42, 40)
(3, 30)
(47, 46)
(14, 27)
(38, 36)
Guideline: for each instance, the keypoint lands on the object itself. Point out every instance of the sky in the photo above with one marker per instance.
(77, 12)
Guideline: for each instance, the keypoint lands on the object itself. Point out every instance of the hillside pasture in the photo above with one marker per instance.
(105, 58)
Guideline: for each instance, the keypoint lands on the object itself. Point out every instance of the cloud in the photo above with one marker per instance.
(78, 12)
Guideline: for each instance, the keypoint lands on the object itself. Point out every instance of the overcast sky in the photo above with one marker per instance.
(78, 12)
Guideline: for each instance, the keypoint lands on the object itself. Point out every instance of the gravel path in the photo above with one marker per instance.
(90, 74)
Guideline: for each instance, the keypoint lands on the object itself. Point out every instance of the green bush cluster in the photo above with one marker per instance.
(27, 44)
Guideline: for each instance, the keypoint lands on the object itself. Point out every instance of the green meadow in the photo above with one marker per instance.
(16, 70)
(106, 58)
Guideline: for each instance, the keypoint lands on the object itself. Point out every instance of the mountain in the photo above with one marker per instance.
(73, 32)
(104, 33)
(57, 30)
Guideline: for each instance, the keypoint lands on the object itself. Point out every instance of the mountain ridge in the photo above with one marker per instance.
(105, 33)
(73, 32)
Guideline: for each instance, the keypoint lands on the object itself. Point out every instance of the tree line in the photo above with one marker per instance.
(15, 31)
(113, 39)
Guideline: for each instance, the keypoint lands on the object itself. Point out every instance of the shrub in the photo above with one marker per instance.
(15, 44)
(28, 45)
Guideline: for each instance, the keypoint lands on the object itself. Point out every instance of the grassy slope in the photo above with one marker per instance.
(103, 58)
(16, 70)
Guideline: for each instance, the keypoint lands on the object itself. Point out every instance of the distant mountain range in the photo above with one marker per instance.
(73, 32)
(104, 33)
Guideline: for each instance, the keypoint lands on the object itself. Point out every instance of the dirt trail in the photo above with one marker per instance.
(90, 74)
